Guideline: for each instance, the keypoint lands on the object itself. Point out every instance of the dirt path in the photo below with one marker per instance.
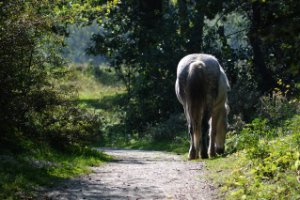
(140, 175)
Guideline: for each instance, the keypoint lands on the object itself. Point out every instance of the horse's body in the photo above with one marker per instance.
(201, 87)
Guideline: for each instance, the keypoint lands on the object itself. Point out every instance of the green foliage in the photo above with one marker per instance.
(106, 76)
(63, 126)
(138, 49)
(249, 136)
(264, 165)
(24, 82)
(178, 145)
(166, 130)
(24, 175)
(277, 107)
(77, 42)
(33, 105)
(101, 94)
(169, 135)
(268, 175)
(39, 118)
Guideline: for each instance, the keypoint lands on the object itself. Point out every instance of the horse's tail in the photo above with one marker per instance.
(196, 93)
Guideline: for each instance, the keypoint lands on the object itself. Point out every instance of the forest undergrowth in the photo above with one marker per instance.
(263, 156)
(64, 148)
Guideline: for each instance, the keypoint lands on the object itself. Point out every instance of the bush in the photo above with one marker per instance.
(276, 107)
(167, 130)
(64, 126)
(248, 136)
(33, 106)
(269, 170)
(244, 94)
(268, 152)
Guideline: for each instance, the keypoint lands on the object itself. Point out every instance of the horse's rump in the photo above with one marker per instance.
(198, 81)
(195, 90)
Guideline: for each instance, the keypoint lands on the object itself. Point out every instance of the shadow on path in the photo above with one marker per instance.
(136, 174)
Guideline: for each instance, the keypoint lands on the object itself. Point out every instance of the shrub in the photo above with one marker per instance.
(276, 107)
(268, 158)
(244, 94)
(168, 130)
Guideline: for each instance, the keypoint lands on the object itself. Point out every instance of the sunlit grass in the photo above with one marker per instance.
(267, 173)
(91, 87)
(98, 95)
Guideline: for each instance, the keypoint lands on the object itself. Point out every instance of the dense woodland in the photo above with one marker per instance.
(135, 46)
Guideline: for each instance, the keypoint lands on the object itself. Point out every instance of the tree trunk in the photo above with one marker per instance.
(264, 76)
(196, 31)
(183, 21)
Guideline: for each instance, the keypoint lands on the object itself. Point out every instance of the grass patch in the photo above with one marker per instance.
(92, 86)
(265, 165)
(178, 145)
(106, 103)
(99, 91)
(21, 176)
(169, 135)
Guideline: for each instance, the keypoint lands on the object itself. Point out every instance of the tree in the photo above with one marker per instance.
(274, 27)
(32, 107)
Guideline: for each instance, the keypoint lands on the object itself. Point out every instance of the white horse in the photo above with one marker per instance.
(201, 87)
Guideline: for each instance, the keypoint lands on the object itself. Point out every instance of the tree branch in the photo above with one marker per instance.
(230, 34)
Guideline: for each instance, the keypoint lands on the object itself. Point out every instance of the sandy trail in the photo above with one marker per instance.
(140, 175)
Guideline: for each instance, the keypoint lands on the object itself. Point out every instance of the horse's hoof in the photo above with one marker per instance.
(192, 155)
(211, 152)
(191, 158)
(220, 151)
(211, 155)
(204, 155)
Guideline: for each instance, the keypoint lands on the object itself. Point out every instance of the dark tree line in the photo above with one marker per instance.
(145, 40)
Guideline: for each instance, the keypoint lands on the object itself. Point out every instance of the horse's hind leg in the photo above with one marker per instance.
(192, 151)
(195, 142)
(221, 130)
(204, 136)
(212, 134)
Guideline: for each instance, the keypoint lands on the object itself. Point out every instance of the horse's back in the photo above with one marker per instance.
(208, 60)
